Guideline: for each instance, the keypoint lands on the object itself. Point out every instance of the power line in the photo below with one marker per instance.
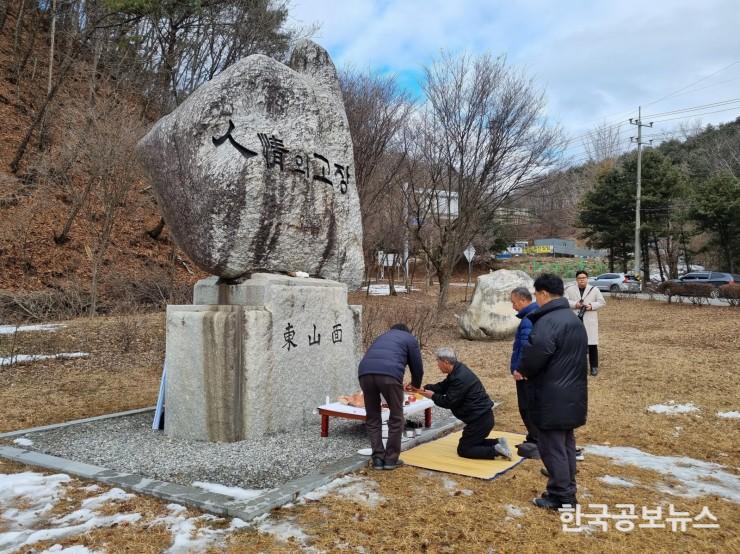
(696, 115)
(695, 108)
(675, 92)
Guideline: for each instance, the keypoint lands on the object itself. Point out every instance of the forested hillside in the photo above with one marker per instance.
(80, 82)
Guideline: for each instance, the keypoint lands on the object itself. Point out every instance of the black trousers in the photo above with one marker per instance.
(474, 442)
(522, 397)
(593, 355)
(558, 452)
(392, 390)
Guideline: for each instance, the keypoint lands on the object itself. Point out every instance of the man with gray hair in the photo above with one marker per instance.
(521, 301)
(463, 393)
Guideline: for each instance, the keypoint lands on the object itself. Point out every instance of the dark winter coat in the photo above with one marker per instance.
(390, 354)
(522, 334)
(554, 362)
(463, 393)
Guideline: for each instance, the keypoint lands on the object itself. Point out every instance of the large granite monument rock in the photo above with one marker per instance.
(490, 315)
(255, 171)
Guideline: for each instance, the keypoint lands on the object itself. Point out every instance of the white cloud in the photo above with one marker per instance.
(597, 60)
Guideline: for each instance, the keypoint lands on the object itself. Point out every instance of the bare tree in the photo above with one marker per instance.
(3, 13)
(481, 137)
(603, 143)
(114, 171)
(377, 109)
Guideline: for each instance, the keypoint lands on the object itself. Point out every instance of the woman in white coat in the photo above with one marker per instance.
(584, 295)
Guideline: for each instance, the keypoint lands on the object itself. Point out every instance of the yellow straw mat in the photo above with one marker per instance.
(441, 455)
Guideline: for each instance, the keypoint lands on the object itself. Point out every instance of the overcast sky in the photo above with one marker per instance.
(596, 60)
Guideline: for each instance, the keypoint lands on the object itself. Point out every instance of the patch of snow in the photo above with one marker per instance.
(113, 495)
(23, 442)
(671, 408)
(729, 415)
(616, 481)
(233, 492)
(698, 478)
(77, 516)
(46, 327)
(76, 549)
(237, 523)
(452, 486)
(21, 358)
(283, 531)
(37, 494)
(19, 539)
(187, 536)
(385, 290)
(352, 487)
(176, 508)
(513, 511)
(91, 488)
(449, 484)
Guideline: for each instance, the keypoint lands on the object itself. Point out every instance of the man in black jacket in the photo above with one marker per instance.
(381, 372)
(463, 393)
(554, 362)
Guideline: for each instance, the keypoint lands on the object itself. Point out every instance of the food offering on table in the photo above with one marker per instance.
(355, 400)
(408, 399)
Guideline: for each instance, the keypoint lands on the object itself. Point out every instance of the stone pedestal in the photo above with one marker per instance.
(258, 357)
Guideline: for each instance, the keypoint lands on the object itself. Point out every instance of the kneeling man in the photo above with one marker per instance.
(463, 393)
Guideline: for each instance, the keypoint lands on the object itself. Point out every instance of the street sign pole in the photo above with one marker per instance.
(469, 253)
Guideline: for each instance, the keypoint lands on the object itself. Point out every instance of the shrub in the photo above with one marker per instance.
(58, 303)
(697, 293)
(731, 292)
(151, 290)
(377, 319)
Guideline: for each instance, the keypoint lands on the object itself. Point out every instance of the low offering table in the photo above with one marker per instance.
(337, 409)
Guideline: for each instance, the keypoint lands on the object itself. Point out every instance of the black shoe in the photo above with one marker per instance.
(550, 502)
(528, 450)
(395, 465)
(594, 371)
(378, 463)
(543, 471)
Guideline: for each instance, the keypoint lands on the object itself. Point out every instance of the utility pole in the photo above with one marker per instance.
(640, 125)
(406, 238)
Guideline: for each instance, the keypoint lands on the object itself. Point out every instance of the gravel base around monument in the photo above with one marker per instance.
(129, 444)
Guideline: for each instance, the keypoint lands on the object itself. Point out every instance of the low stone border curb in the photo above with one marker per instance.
(20, 432)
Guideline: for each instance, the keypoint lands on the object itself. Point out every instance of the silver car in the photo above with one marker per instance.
(615, 282)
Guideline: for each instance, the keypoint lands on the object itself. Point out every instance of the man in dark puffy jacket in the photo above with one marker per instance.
(381, 372)
(521, 301)
(554, 362)
(464, 394)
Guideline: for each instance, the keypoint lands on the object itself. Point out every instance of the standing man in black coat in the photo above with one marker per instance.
(464, 394)
(381, 372)
(554, 362)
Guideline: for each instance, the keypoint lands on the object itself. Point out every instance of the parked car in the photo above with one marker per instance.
(615, 282)
(714, 278)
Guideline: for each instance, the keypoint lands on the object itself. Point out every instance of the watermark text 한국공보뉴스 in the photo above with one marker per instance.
(625, 518)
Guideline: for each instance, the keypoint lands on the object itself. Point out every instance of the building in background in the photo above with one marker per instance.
(566, 247)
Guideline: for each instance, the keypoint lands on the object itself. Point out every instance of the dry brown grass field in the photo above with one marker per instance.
(651, 353)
